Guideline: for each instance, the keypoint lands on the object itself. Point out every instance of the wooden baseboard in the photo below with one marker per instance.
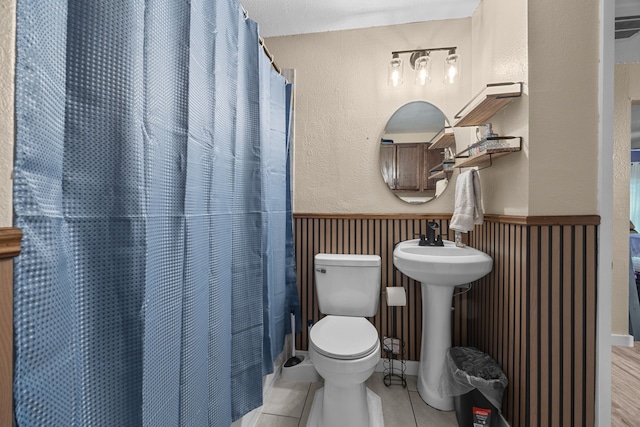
(539, 220)
(545, 220)
(10, 239)
(621, 340)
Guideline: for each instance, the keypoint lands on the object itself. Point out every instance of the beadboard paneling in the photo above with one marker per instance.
(362, 236)
(535, 313)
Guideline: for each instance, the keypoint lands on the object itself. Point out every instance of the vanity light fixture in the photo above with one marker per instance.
(420, 60)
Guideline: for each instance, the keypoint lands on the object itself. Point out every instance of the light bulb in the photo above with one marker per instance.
(423, 70)
(452, 68)
(396, 77)
(395, 71)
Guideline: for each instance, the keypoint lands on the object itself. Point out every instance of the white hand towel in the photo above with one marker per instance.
(441, 184)
(467, 209)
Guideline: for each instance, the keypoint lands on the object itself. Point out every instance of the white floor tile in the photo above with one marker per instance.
(307, 405)
(412, 383)
(396, 405)
(426, 416)
(268, 420)
(287, 398)
(289, 404)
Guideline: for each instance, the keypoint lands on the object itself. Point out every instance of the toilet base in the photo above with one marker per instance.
(374, 404)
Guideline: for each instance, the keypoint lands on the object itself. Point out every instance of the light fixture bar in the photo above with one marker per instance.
(431, 49)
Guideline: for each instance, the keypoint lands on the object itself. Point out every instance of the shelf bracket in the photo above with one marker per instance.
(488, 165)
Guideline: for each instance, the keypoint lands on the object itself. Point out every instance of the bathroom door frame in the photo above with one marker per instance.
(605, 209)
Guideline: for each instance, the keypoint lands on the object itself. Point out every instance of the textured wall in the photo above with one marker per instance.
(7, 63)
(627, 90)
(563, 107)
(628, 50)
(500, 55)
(343, 104)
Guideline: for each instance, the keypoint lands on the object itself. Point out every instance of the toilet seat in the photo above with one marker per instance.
(344, 337)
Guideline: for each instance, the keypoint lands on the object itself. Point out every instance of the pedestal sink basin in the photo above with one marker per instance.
(439, 269)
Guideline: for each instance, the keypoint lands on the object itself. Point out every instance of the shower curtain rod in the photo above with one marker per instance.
(269, 55)
(263, 45)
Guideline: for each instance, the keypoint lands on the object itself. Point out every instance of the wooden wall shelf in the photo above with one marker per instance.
(486, 157)
(486, 103)
(444, 140)
(441, 174)
(478, 112)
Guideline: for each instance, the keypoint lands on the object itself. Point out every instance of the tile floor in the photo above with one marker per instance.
(289, 403)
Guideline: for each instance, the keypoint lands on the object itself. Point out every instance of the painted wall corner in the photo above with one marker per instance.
(500, 54)
(7, 67)
(627, 90)
(563, 107)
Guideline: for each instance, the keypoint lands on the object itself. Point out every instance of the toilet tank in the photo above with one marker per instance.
(347, 285)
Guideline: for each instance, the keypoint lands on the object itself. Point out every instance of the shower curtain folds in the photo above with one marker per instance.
(152, 187)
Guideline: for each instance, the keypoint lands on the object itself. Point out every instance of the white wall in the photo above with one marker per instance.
(627, 90)
(497, 53)
(500, 54)
(563, 107)
(343, 104)
(7, 64)
(628, 50)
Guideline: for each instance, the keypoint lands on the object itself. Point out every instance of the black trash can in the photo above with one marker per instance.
(477, 383)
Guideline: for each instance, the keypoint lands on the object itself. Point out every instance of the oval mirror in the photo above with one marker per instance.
(416, 152)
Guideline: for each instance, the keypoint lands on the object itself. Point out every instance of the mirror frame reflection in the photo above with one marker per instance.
(417, 152)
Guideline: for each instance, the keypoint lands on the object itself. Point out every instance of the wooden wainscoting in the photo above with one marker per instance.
(9, 247)
(535, 313)
(363, 235)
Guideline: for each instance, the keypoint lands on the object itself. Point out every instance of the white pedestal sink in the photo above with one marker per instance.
(439, 269)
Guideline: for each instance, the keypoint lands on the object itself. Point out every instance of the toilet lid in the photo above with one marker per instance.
(344, 337)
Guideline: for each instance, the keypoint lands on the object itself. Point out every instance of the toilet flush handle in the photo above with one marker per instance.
(320, 270)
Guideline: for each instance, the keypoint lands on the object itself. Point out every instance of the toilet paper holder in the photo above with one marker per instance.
(393, 347)
(396, 296)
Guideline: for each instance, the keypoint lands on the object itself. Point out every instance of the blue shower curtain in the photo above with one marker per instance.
(152, 187)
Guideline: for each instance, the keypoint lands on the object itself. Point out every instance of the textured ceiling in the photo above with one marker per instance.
(288, 17)
(627, 18)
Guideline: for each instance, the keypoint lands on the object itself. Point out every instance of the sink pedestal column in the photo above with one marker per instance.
(436, 340)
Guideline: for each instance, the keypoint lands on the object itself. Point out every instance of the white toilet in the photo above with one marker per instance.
(344, 346)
